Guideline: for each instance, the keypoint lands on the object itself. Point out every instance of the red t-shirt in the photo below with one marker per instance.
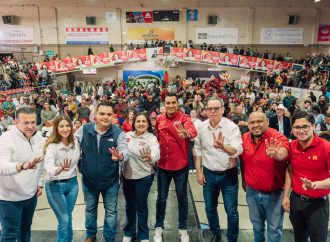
(173, 150)
(126, 127)
(312, 163)
(260, 171)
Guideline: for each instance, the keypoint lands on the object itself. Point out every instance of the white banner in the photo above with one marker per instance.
(16, 36)
(110, 17)
(292, 36)
(87, 36)
(217, 35)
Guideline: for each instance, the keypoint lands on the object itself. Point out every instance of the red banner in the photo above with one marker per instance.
(178, 53)
(211, 57)
(229, 59)
(136, 55)
(101, 59)
(119, 57)
(193, 55)
(247, 62)
(323, 33)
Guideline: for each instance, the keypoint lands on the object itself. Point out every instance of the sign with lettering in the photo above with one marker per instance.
(16, 36)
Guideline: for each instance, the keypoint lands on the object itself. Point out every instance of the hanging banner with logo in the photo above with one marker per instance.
(142, 77)
(178, 53)
(323, 33)
(150, 34)
(217, 35)
(210, 57)
(137, 55)
(101, 59)
(192, 14)
(139, 17)
(87, 36)
(193, 55)
(119, 57)
(281, 36)
(229, 59)
(16, 36)
(247, 62)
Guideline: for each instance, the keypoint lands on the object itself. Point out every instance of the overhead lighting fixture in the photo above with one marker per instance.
(316, 1)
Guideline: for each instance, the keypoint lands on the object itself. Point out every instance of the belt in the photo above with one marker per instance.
(309, 199)
(62, 180)
(221, 173)
(266, 192)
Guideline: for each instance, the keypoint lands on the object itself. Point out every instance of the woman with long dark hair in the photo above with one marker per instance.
(61, 159)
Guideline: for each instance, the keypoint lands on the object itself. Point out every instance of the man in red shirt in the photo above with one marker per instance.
(174, 132)
(309, 161)
(263, 164)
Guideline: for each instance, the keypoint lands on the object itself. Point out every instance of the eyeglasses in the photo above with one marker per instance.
(304, 128)
(213, 109)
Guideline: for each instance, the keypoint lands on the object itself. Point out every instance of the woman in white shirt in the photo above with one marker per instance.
(138, 176)
(61, 159)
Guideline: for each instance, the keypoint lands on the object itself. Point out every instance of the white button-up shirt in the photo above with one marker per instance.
(135, 167)
(55, 155)
(216, 159)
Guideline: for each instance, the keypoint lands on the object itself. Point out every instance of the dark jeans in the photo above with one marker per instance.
(136, 193)
(164, 179)
(309, 219)
(227, 183)
(191, 157)
(16, 219)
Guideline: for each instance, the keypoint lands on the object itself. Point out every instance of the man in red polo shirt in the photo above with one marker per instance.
(174, 132)
(309, 160)
(263, 163)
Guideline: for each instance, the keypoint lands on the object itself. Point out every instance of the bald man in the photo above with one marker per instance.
(263, 163)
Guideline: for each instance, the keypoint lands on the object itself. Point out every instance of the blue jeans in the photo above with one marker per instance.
(227, 183)
(164, 179)
(62, 197)
(136, 193)
(265, 207)
(16, 219)
(110, 197)
(190, 156)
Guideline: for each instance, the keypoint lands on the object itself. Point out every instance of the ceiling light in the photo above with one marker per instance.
(316, 1)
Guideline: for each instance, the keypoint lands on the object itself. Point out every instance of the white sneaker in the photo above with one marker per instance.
(145, 240)
(127, 239)
(158, 235)
(194, 171)
(184, 237)
(190, 171)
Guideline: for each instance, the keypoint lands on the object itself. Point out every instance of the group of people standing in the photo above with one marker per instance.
(101, 151)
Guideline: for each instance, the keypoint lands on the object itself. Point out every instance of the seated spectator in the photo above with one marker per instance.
(6, 120)
(280, 122)
(323, 129)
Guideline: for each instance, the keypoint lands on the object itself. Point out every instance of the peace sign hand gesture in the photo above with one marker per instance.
(32, 164)
(146, 154)
(272, 146)
(218, 142)
(116, 155)
(181, 130)
(308, 184)
(65, 166)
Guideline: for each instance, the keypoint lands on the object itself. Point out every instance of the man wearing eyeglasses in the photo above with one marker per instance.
(218, 144)
(308, 176)
(263, 166)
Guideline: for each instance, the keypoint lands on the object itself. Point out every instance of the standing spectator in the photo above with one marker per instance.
(197, 123)
(219, 144)
(73, 107)
(120, 106)
(263, 167)
(309, 161)
(61, 159)
(111, 48)
(90, 89)
(90, 51)
(21, 151)
(240, 119)
(174, 130)
(280, 122)
(138, 176)
(128, 123)
(103, 146)
(288, 100)
(83, 110)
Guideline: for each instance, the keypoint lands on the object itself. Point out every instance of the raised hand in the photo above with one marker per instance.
(307, 184)
(272, 146)
(146, 154)
(116, 155)
(181, 130)
(32, 164)
(65, 166)
(218, 142)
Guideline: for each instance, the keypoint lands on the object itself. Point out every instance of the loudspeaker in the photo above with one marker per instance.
(9, 19)
(90, 20)
(293, 19)
(213, 20)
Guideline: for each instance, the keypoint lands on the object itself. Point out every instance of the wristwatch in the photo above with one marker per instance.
(22, 166)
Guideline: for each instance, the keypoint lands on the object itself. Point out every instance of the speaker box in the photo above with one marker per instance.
(90, 20)
(10, 19)
(213, 20)
(293, 19)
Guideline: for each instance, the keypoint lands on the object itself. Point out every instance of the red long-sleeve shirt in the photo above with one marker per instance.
(173, 150)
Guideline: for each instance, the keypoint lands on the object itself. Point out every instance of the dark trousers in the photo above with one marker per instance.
(191, 157)
(309, 219)
(164, 179)
(136, 193)
(16, 219)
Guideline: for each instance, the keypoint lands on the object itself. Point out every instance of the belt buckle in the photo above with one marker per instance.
(304, 198)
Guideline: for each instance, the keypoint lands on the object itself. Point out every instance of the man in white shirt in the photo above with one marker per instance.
(21, 151)
(218, 144)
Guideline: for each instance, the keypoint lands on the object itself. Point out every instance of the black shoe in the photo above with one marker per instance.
(216, 238)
